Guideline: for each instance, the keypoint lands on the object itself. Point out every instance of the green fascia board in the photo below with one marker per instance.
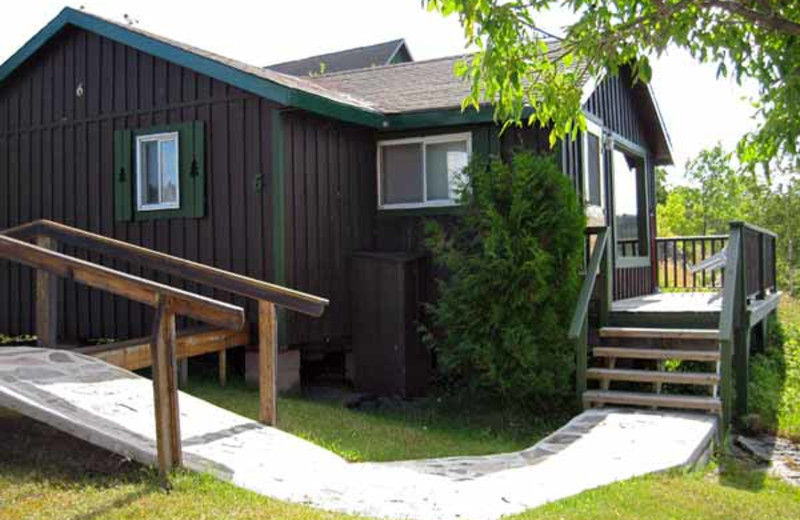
(439, 117)
(260, 86)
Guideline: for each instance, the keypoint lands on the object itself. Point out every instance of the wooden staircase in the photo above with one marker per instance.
(644, 352)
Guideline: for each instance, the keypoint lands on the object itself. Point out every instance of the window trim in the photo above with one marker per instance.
(626, 146)
(158, 137)
(596, 130)
(424, 141)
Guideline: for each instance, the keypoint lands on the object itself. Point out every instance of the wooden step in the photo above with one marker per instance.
(656, 353)
(634, 332)
(653, 376)
(711, 404)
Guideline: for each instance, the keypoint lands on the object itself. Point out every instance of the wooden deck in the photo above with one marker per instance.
(671, 302)
(686, 309)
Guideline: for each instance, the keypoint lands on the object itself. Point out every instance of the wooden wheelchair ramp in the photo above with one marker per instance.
(164, 347)
(113, 408)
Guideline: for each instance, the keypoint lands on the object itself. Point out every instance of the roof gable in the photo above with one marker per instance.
(379, 54)
(396, 96)
(281, 88)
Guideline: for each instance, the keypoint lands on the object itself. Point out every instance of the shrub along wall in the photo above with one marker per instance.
(499, 325)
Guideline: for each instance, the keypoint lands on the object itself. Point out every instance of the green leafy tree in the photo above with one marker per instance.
(719, 194)
(530, 79)
(500, 321)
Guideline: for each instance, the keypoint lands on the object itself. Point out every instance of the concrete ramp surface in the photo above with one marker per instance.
(113, 408)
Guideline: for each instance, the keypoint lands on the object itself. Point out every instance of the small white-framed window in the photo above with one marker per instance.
(157, 173)
(422, 171)
(594, 192)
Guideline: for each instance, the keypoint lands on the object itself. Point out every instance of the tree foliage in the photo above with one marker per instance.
(518, 66)
(717, 193)
(500, 321)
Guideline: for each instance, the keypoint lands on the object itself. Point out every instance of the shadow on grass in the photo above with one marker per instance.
(36, 452)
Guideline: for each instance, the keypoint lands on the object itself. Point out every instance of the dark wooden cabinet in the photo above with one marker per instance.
(389, 357)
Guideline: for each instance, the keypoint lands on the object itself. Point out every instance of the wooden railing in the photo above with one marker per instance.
(628, 247)
(167, 301)
(750, 276)
(676, 256)
(598, 262)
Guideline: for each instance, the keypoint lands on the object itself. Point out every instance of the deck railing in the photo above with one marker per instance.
(168, 303)
(750, 272)
(598, 264)
(677, 255)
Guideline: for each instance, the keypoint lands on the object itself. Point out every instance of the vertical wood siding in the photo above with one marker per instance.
(330, 203)
(56, 157)
(614, 102)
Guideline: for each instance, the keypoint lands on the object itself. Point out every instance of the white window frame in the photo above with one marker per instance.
(424, 142)
(160, 137)
(596, 130)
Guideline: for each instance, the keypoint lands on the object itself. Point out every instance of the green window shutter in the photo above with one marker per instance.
(123, 175)
(197, 171)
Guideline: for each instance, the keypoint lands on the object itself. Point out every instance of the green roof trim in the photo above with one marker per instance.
(271, 90)
(442, 117)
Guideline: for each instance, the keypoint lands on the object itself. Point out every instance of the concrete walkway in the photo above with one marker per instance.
(112, 408)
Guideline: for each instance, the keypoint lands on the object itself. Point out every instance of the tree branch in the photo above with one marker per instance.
(765, 20)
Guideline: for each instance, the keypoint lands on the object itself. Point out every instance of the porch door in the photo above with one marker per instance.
(629, 218)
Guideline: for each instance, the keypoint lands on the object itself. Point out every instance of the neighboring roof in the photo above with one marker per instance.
(379, 54)
(414, 86)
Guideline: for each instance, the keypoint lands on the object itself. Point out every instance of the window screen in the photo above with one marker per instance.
(402, 174)
(444, 165)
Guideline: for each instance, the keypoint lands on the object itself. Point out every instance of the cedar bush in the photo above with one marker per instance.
(499, 324)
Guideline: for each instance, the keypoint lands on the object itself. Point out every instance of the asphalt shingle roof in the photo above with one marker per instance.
(375, 55)
(419, 85)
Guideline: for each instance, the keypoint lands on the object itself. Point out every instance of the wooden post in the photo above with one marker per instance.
(46, 301)
(267, 361)
(165, 390)
(606, 284)
(223, 367)
(581, 352)
(183, 372)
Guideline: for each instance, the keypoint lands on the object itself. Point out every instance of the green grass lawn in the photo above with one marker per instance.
(48, 475)
(435, 427)
(45, 474)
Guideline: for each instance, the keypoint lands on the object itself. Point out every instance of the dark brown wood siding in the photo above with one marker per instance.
(614, 104)
(56, 156)
(330, 202)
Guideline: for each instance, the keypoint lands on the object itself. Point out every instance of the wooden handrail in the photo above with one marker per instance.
(122, 284)
(179, 267)
(585, 295)
(691, 237)
(168, 302)
(727, 314)
(753, 227)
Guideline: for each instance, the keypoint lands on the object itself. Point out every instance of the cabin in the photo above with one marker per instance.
(313, 174)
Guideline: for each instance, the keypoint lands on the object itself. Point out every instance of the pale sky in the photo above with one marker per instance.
(699, 110)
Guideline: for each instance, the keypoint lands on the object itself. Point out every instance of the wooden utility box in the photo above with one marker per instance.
(387, 294)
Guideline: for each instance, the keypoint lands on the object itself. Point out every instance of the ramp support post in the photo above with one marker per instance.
(165, 390)
(267, 362)
(46, 301)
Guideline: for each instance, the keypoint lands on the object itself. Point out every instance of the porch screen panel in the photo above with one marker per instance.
(402, 174)
(629, 204)
(593, 169)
